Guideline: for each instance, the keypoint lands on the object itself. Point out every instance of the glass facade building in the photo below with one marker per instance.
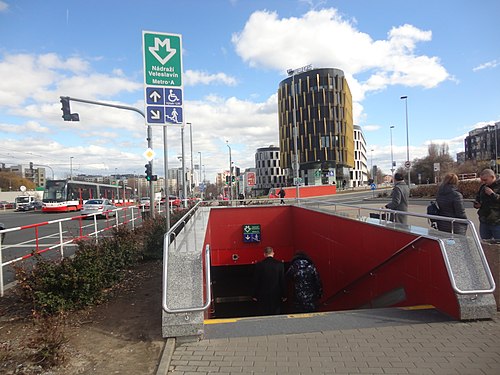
(324, 122)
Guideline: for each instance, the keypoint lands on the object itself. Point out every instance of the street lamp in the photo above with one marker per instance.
(407, 164)
(230, 173)
(496, 149)
(201, 182)
(371, 172)
(392, 155)
(71, 167)
(191, 174)
(293, 72)
(184, 190)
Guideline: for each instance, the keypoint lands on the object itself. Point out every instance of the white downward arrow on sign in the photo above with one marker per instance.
(155, 115)
(166, 43)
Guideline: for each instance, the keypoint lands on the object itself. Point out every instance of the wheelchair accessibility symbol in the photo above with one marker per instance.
(173, 97)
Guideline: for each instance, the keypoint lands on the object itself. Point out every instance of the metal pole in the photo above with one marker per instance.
(496, 149)
(165, 185)
(151, 186)
(392, 155)
(372, 171)
(407, 138)
(295, 139)
(191, 174)
(184, 187)
(71, 167)
(201, 181)
(230, 173)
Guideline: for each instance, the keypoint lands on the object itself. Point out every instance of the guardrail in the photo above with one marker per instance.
(121, 217)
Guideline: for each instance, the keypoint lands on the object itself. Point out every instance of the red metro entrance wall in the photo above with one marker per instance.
(361, 264)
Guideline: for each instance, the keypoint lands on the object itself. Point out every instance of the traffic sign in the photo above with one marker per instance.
(163, 88)
(373, 186)
(251, 233)
(149, 154)
(251, 178)
(407, 164)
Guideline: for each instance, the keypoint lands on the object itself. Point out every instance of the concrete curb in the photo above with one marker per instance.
(166, 357)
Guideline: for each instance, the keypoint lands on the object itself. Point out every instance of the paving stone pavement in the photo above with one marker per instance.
(428, 348)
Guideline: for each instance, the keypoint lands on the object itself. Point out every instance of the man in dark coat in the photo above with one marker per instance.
(451, 204)
(269, 284)
(399, 198)
(488, 204)
(282, 194)
(306, 283)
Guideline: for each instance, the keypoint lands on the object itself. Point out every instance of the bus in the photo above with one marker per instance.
(70, 195)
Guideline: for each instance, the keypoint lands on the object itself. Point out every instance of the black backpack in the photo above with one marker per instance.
(433, 209)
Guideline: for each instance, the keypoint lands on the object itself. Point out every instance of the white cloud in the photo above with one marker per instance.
(3, 6)
(324, 38)
(488, 65)
(370, 128)
(192, 78)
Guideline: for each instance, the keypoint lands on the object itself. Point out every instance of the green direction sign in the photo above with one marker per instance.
(251, 229)
(162, 59)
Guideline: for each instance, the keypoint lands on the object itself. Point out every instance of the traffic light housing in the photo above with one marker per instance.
(149, 172)
(67, 115)
(31, 165)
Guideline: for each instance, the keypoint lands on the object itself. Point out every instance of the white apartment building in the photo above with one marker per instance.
(359, 174)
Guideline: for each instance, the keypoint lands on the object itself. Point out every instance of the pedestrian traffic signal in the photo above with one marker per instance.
(149, 172)
(67, 115)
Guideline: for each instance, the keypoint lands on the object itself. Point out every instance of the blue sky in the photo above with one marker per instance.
(444, 55)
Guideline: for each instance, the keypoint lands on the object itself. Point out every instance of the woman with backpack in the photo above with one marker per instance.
(451, 204)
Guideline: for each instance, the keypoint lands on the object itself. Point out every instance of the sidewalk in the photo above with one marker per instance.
(428, 348)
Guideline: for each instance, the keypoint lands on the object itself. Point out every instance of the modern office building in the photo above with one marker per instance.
(269, 173)
(483, 144)
(324, 123)
(359, 174)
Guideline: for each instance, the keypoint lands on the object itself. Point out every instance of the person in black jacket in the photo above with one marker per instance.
(306, 283)
(488, 204)
(269, 284)
(451, 204)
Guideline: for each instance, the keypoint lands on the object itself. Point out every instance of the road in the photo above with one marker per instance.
(63, 227)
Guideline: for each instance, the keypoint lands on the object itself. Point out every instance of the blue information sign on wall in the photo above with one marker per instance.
(251, 233)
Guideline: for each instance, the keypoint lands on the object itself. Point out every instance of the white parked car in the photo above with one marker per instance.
(145, 201)
(99, 207)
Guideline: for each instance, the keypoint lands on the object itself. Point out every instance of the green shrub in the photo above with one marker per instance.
(73, 283)
(468, 188)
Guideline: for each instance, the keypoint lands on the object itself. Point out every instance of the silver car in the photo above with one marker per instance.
(99, 207)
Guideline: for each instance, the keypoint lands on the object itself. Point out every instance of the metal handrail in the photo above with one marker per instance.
(371, 271)
(181, 221)
(166, 243)
(208, 294)
(475, 237)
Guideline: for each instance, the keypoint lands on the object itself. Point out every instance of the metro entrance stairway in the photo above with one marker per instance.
(363, 262)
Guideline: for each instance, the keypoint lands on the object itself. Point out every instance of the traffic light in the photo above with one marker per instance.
(154, 177)
(233, 178)
(31, 165)
(227, 179)
(67, 115)
(149, 173)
